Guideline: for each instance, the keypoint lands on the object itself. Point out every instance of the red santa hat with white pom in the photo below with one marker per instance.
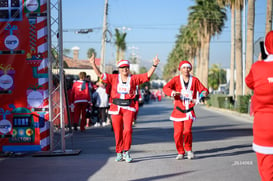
(123, 63)
(184, 63)
(268, 43)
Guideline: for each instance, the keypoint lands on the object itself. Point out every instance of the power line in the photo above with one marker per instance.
(137, 42)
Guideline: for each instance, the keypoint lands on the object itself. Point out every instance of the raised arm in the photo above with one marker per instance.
(96, 69)
(152, 69)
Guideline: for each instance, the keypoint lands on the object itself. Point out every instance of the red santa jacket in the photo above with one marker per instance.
(195, 87)
(260, 79)
(132, 82)
(79, 95)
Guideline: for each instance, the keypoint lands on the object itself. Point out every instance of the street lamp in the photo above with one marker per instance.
(79, 31)
(84, 31)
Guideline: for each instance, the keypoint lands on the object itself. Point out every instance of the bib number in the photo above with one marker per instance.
(123, 89)
(186, 94)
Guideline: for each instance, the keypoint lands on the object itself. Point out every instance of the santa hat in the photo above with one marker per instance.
(184, 63)
(123, 63)
(268, 43)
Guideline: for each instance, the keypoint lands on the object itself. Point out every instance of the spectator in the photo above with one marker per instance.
(101, 98)
(89, 108)
(147, 94)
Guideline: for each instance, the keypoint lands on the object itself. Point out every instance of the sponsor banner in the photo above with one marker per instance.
(23, 73)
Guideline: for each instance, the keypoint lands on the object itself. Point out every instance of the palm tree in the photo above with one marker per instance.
(90, 51)
(231, 4)
(250, 39)
(238, 46)
(217, 76)
(190, 43)
(268, 26)
(210, 17)
(120, 44)
(177, 54)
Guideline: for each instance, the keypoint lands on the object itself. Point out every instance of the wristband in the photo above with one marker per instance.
(154, 65)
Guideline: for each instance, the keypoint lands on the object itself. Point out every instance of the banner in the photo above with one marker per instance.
(24, 93)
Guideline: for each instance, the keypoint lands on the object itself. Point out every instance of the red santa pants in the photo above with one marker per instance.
(80, 112)
(265, 166)
(183, 136)
(122, 125)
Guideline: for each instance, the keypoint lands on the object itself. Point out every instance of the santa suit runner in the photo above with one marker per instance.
(260, 77)
(122, 116)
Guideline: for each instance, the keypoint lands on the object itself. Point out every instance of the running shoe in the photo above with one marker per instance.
(119, 157)
(127, 156)
(179, 157)
(190, 155)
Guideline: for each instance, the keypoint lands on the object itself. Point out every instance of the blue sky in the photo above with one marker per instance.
(151, 26)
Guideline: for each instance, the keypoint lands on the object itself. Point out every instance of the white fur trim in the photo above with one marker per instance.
(185, 65)
(113, 112)
(123, 107)
(262, 149)
(269, 58)
(123, 62)
(182, 119)
(103, 76)
(128, 108)
(77, 101)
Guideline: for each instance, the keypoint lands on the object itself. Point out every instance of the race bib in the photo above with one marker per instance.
(123, 89)
(186, 94)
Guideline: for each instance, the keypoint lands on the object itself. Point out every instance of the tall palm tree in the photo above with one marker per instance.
(268, 26)
(190, 43)
(250, 39)
(230, 4)
(238, 46)
(210, 17)
(120, 44)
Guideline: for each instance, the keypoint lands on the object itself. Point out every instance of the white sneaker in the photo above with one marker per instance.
(97, 125)
(127, 157)
(190, 155)
(179, 157)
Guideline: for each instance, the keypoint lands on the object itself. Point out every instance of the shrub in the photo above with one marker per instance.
(242, 103)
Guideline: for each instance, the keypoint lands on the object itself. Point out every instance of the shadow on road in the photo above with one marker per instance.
(224, 151)
(159, 177)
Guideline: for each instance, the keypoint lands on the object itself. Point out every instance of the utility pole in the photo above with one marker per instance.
(244, 45)
(103, 40)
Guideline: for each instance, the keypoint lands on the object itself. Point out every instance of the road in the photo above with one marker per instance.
(221, 143)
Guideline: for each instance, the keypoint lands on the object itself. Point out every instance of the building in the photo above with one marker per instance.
(74, 65)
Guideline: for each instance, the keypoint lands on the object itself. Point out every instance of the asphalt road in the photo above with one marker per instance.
(221, 143)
